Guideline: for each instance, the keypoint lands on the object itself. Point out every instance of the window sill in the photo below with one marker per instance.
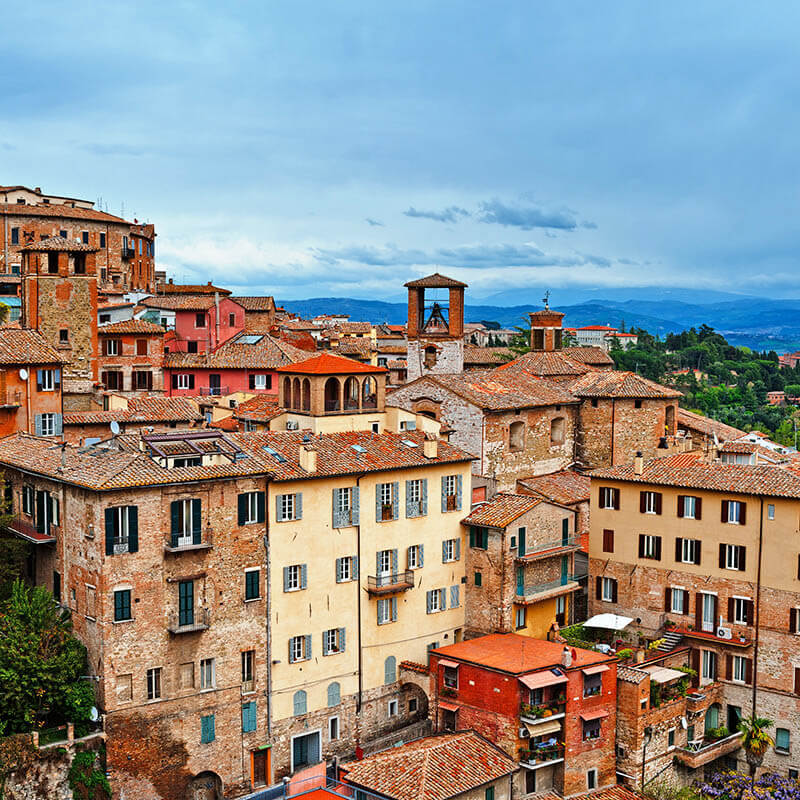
(252, 599)
(119, 621)
(783, 752)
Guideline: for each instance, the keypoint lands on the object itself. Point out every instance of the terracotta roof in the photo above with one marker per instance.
(686, 470)
(566, 487)
(496, 390)
(55, 210)
(131, 326)
(748, 448)
(25, 346)
(106, 306)
(594, 356)
(255, 303)
(354, 327)
(501, 510)
(267, 353)
(190, 288)
(392, 349)
(611, 793)
(140, 409)
(180, 302)
(396, 364)
(299, 325)
(351, 346)
(435, 281)
(631, 674)
(546, 364)
(329, 364)
(618, 385)
(60, 243)
(690, 421)
(260, 408)
(433, 768)
(546, 312)
(485, 355)
(225, 424)
(516, 654)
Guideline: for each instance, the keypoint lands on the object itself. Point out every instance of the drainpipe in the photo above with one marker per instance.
(613, 420)
(758, 602)
(359, 701)
(216, 319)
(268, 578)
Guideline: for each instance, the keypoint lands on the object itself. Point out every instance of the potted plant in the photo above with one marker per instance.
(562, 698)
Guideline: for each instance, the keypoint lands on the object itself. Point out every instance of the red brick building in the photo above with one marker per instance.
(552, 708)
(131, 356)
(125, 250)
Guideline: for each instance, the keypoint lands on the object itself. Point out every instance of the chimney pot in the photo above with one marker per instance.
(638, 463)
(566, 657)
(430, 447)
(308, 458)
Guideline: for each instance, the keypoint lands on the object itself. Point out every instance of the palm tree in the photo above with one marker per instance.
(755, 741)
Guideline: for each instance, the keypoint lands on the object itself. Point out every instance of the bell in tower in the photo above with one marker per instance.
(437, 323)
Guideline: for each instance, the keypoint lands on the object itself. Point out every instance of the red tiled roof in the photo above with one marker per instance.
(487, 356)
(501, 510)
(435, 281)
(689, 420)
(354, 327)
(516, 654)
(546, 364)
(611, 793)
(329, 364)
(140, 409)
(566, 487)
(131, 326)
(352, 346)
(180, 302)
(594, 356)
(433, 768)
(25, 346)
(190, 288)
(611, 383)
(60, 243)
(260, 408)
(299, 325)
(596, 328)
(267, 353)
(687, 470)
(266, 303)
(106, 306)
(226, 424)
(62, 211)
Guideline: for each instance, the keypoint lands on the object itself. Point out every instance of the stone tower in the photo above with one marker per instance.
(435, 326)
(59, 299)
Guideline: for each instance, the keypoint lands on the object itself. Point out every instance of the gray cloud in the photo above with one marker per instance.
(449, 214)
(374, 222)
(526, 218)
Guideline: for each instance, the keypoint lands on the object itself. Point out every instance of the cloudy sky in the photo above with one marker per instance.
(312, 149)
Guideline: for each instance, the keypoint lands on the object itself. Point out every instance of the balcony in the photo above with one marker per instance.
(711, 637)
(178, 624)
(701, 751)
(390, 584)
(127, 252)
(556, 547)
(206, 543)
(535, 592)
(20, 526)
(546, 712)
(540, 756)
(10, 399)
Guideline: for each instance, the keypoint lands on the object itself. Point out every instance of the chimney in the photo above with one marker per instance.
(430, 446)
(638, 463)
(566, 657)
(308, 458)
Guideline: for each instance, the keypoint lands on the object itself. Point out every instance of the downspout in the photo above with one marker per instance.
(758, 602)
(216, 319)
(359, 701)
(613, 420)
(268, 577)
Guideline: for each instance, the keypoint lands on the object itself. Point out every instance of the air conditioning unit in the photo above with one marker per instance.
(724, 633)
(292, 425)
(524, 733)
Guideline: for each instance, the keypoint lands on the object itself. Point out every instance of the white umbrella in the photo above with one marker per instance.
(613, 622)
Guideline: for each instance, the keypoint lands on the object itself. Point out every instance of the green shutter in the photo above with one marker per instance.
(242, 499)
(133, 529)
(196, 522)
(111, 522)
(175, 517)
(261, 513)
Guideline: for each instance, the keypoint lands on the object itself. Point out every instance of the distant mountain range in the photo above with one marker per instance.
(757, 322)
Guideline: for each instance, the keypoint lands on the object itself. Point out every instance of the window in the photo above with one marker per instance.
(671, 738)
(184, 381)
(739, 670)
(387, 610)
(488, 793)
(677, 604)
(15, 236)
(415, 556)
(252, 584)
(591, 729)
(248, 666)
(733, 511)
(479, 538)
(333, 641)
(185, 521)
(412, 705)
(386, 501)
(609, 498)
(102, 240)
(592, 685)
(530, 781)
(122, 605)
(650, 547)
(27, 499)
(192, 461)
(637, 403)
(689, 507)
(185, 603)
(450, 677)
(141, 347)
(249, 722)
(84, 237)
(334, 694)
(591, 778)
(478, 579)
(63, 336)
(516, 436)
(390, 669)
(122, 530)
(455, 596)
(112, 379)
(251, 508)
(192, 346)
(305, 749)
(48, 424)
(346, 569)
(451, 493)
(687, 551)
(608, 541)
(650, 502)
(208, 673)
(260, 382)
(557, 430)
(740, 610)
(207, 734)
(708, 666)
(186, 675)
(561, 611)
(770, 511)
(607, 589)
(104, 318)
(794, 774)
(295, 577)
(200, 319)
(333, 729)
(519, 617)
(436, 601)
(417, 497)
(299, 649)
(154, 683)
(392, 708)
(45, 380)
(142, 380)
(112, 347)
(451, 550)
(782, 740)
(231, 320)
(289, 507)
(732, 556)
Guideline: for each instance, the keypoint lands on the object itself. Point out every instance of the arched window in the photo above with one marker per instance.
(306, 394)
(332, 394)
(557, 430)
(334, 694)
(516, 435)
(369, 393)
(296, 393)
(351, 394)
(390, 670)
(300, 702)
(287, 392)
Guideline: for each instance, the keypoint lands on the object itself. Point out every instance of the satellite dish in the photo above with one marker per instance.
(94, 714)
(23, 374)
(114, 427)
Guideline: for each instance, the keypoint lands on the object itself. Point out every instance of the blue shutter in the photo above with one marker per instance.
(454, 598)
(249, 717)
(458, 549)
(261, 514)
(291, 651)
(111, 525)
(378, 507)
(341, 640)
(355, 567)
(335, 521)
(424, 496)
(325, 650)
(298, 506)
(308, 647)
(422, 555)
(459, 481)
(278, 517)
(133, 529)
(442, 599)
(394, 562)
(59, 424)
(196, 522)
(286, 579)
(377, 563)
(444, 551)
(338, 570)
(334, 694)
(444, 493)
(37, 425)
(39, 379)
(428, 601)
(299, 702)
(396, 500)
(175, 510)
(303, 576)
(409, 506)
(355, 511)
(394, 609)
(390, 670)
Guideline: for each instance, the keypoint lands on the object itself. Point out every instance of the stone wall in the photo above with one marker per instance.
(449, 356)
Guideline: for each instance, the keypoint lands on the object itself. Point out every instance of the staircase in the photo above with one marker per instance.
(671, 641)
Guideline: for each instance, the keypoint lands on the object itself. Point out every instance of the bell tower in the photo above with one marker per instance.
(546, 327)
(435, 326)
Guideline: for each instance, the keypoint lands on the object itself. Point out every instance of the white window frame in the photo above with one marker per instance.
(121, 529)
(607, 497)
(770, 511)
(287, 505)
(733, 556)
(413, 557)
(252, 508)
(414, 492)
(208, 674)
(650, 502)
(48, 420)
(112, 347)
(297, 646)
(386, 494)
(294, 577)
(259, 381)
(436, 601)
(520, 616)
(734, 512)
(708, 664)
(649, 546)
(334, 728)
(331, 644)
(449, 550)
(607, 590)
(591, 782)
(740, 610)
(48, 380)
(154, 680)
(393, 708)
(384, 610)
(183, 380)
(344, 501)
(739, 669)
(689, 506)
(186, 537)
(688, 550)
(676, 593)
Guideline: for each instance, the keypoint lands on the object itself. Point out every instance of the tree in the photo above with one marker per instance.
(41, 663)
(756, 741)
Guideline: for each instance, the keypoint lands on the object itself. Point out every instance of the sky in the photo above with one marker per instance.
(312, 149)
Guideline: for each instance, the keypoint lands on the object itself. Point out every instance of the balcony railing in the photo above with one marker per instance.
(565, 542)
(10, 399)
(699, 752)
(127, 252)
(542, 712)
(541, 756)
(566, 583)
(391, 583)
(206, 543)
(200, 620)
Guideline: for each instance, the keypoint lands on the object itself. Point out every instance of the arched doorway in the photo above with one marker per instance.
(205, 786)
(306, 394)
(296, 394)
(369, 393)
(287, 392)
(351, 394)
